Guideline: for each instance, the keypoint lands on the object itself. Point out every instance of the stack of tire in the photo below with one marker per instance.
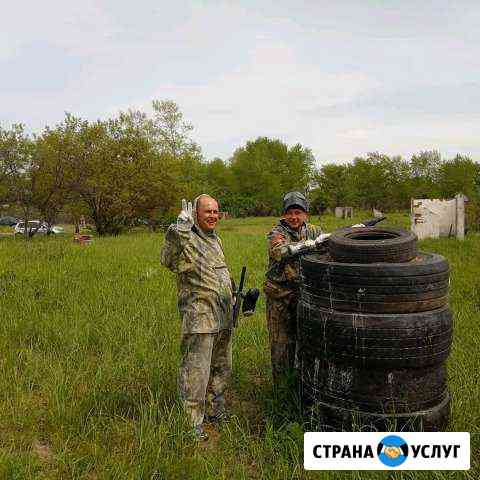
(374, 333)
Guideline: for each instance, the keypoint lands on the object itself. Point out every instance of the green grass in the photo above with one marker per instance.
(89, 353)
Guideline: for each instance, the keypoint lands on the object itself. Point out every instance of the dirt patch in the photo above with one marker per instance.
(42, 450)
(249, 409)
(213, 437)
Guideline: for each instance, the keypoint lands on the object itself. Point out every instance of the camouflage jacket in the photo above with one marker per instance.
(204, 286)
(283, 273)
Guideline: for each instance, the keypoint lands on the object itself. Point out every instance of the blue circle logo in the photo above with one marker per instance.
(392, 451)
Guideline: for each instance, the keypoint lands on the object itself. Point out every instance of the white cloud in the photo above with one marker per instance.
(342, 78)
(78, 26)
(427, 132)
(272, 95)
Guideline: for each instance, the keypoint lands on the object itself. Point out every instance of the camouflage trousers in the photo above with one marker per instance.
(205, 371)
(282, 328)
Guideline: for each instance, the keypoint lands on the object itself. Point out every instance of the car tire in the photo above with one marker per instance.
(327, 417)
(413, 340)
(372, 245)
(396, 390)
(426, 267)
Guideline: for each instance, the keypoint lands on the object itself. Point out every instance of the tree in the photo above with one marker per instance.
(103, 174)
(172, 137)
(17, 171)
(116, 171)
(333, 187)
(378, 181)
(462, 175)
(369, 180)
(156, 188)
(217, 179)
(298, 169)
(264, 169)
(424, 168)
(55, 157)
(171, 130)
(458, 175)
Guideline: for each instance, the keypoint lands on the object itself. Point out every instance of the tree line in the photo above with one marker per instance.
(135, 168)
(388, 183)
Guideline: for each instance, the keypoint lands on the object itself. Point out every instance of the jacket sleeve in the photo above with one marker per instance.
(175, 242)
(278, 246)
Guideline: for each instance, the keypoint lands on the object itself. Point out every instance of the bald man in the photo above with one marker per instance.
(194, 252)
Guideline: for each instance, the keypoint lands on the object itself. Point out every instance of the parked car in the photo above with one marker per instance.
(10, 221)
(56, 229)
(36, 226)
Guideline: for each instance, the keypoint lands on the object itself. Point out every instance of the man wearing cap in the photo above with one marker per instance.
(194, 252)
(289, 239)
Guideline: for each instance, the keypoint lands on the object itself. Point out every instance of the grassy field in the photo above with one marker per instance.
(89, 353)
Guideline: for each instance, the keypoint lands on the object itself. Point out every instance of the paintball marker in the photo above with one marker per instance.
(369, 223)
(245, 301)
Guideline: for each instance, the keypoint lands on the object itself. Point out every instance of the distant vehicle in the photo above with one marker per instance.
(36, 226)
(56, 229)
(10, 221)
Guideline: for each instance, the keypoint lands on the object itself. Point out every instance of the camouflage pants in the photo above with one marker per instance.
(282, 328)
(205, 371)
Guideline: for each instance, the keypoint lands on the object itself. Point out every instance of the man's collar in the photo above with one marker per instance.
(203, 233)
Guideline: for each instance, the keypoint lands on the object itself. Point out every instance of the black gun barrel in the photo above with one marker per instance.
(373, 221)
(239, 297)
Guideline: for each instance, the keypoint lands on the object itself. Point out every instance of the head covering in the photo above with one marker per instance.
(295, 199)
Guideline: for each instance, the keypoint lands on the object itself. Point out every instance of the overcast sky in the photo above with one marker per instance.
(342, 78)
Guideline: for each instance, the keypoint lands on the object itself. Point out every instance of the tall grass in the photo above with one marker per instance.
(89, 353)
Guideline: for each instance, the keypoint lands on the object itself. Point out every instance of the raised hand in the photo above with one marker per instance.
(185, 218)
